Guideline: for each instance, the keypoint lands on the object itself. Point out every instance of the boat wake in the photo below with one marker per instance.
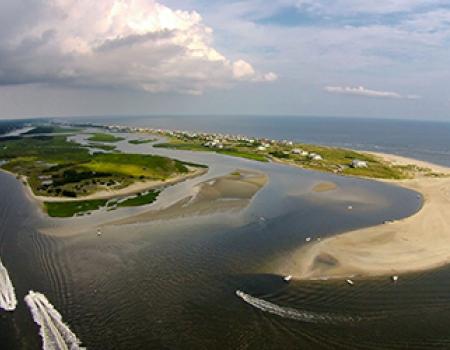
(295, 314)
(56, 335)
(8, 299)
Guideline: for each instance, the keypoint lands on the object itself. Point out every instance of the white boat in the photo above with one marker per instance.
(349, 207)
(287, 278)
(394, 278)
(350, 282)
(99, 232)
(308, 239)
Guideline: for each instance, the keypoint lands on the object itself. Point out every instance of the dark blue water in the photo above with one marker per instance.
(425, 140)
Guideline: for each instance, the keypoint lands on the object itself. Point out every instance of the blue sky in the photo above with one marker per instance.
(385, 58)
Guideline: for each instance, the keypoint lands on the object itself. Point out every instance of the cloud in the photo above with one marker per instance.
(365, 7)
(362, 91)
(136, 44)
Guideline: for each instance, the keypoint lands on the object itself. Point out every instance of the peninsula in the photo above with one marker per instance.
(69, 178)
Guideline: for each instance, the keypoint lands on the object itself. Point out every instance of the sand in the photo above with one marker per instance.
(228, 193)
(416, 243)
(324, 186)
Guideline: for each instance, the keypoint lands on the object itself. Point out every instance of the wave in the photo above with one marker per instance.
(295, 314)
(55, 334)
(8, 299)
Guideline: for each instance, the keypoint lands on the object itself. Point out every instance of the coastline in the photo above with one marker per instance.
(416, 243)
(134, 188)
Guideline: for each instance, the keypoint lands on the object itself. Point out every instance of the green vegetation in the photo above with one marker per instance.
(69, 209)
(135, 165)
(335, 160)
(141, 141)
(338, 160)
(102, 137)
(57, 167)
(102, 146)
(229, 151)
(50, 129)
(140, 199)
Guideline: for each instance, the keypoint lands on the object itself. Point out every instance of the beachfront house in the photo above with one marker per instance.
(261, 148)
(356, 163)
(315, 156)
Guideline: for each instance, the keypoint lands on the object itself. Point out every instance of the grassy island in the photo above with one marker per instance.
(141, 141)
(102, 137)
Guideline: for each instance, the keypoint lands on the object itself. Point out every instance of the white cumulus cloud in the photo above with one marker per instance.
(362, 91)
(137, 44)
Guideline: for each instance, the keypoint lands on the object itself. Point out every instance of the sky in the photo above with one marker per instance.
(384, 58)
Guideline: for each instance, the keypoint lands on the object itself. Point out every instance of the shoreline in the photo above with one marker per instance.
(416, 243)
(134, 188)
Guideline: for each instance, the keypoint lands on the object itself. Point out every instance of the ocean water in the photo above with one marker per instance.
(425, 140)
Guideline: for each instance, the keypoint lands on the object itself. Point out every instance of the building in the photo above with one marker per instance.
(315, 156)
(356, 163)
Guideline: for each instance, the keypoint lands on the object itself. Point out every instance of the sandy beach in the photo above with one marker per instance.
(416, 243)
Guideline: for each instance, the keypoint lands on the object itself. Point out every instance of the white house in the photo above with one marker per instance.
(297, 151)
(261, 148)
(356, 163)
(315, 156)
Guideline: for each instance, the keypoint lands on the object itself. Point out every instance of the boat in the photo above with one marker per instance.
(287, 278)
(350, 282)
(308, 239)
(394, 278)
(99, 232)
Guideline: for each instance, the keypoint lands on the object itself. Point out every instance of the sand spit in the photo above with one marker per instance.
(231, 192)
(419, 242)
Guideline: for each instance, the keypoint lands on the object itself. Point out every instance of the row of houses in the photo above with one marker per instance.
(219, 140)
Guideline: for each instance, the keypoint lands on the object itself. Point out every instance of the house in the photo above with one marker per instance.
(261, 148)
(315, 156)
(356, 163)
(296, 151)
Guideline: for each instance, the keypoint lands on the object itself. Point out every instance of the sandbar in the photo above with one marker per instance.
(416, 243)
(228, 193)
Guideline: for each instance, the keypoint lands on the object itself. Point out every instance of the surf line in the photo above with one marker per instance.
(8, 301)
(295, 314)
(55, 334)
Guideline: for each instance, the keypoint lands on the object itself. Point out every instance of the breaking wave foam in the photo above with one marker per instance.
(295, 314)
(55, 334)
(8, 299)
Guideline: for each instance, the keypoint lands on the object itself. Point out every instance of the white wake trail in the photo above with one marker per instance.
(8, 299)
(55, 334)
(295, 314)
